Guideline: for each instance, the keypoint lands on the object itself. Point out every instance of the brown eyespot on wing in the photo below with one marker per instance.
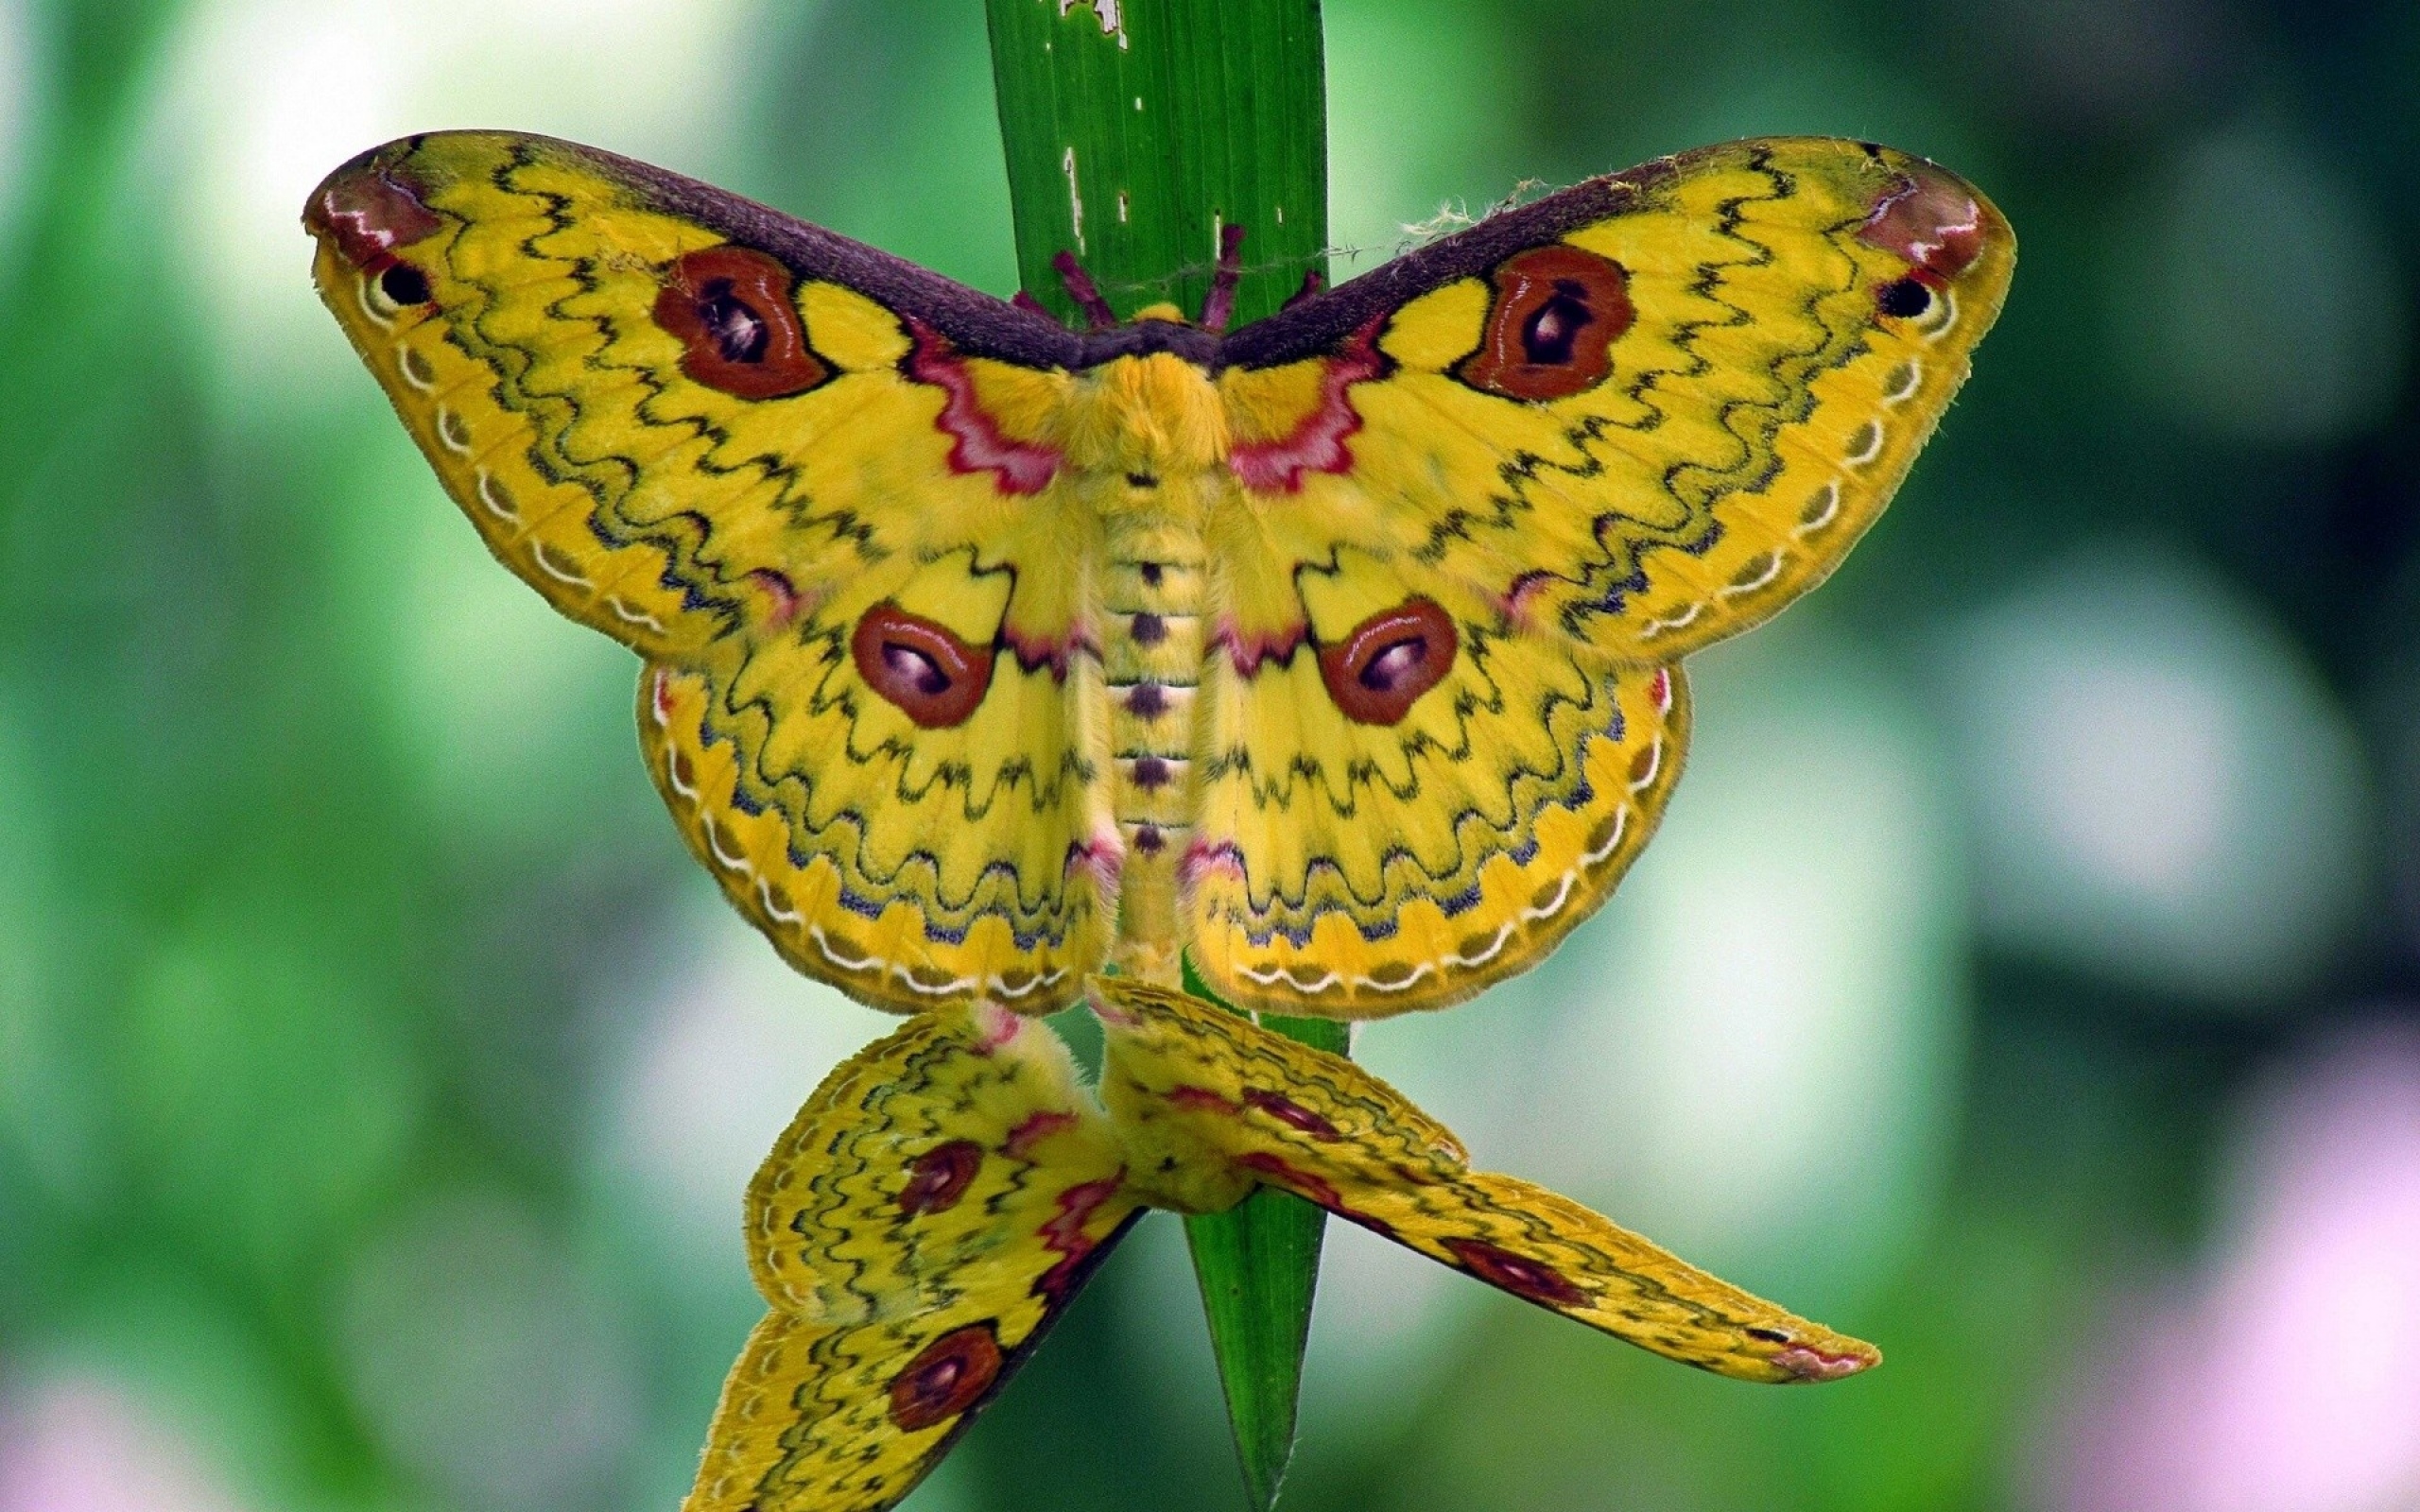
(1402, 798)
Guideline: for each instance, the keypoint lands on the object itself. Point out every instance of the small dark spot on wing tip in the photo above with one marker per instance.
(405, 285)
(1770, 1335)
(1903, 299)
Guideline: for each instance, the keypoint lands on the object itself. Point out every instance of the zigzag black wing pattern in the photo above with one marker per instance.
(1536, 464)
(927, 1217)
(764, 457)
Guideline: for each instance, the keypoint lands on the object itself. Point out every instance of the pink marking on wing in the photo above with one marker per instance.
(1515, 605)
(1317, 442)
(1293, 1115)
(1281, 1172)
(1201, 1100)
(1659, 690)
(1814, 1364)
(1203, 857)
(1522, 1275)
(1249, 651)
(371, 212)
(1103, 855)
(783, 594)
(662, 699)
(977, 444)
(997, 1025)
(1033, 652)
(1036, 1127)
(1930, 222)
(1065, 1233)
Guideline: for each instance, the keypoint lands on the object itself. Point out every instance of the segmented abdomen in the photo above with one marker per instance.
(1151, 597)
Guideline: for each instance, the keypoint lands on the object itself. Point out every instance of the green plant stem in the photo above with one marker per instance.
(1132, 147)
(1258, 1263)
(1136, 131)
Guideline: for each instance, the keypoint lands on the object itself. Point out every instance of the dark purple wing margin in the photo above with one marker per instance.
(1316, 325)
(981, 325)
(975, 322)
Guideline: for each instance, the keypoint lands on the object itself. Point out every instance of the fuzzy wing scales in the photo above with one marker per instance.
(767, 460)
(929, 1214)
(1206, 1090)
(1400, 798)
(1649, 412)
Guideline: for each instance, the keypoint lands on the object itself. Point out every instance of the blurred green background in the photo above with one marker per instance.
(2028, 978)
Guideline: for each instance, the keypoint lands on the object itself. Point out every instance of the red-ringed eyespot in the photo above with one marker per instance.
(1552, 325)
(938, 1177)
(932, 676)
(948, 1376)
(733, 311)
(1387, 661)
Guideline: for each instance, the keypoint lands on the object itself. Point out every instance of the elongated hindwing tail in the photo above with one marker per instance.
(932, 1210)
(1200, 1091)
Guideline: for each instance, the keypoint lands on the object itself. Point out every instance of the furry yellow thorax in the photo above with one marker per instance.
(1157, 416)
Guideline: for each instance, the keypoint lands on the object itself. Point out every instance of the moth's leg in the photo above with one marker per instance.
(1218, 306)
(1081, 289)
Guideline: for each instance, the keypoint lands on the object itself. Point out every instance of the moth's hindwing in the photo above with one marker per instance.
(929, 1214)
(1196, 1089)
(1355, 866)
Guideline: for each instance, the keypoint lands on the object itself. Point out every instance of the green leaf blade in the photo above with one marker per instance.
(1133, 146)
(1259, 1264)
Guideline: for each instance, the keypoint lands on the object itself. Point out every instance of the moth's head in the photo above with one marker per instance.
(1157, 416)
(1162, 311)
